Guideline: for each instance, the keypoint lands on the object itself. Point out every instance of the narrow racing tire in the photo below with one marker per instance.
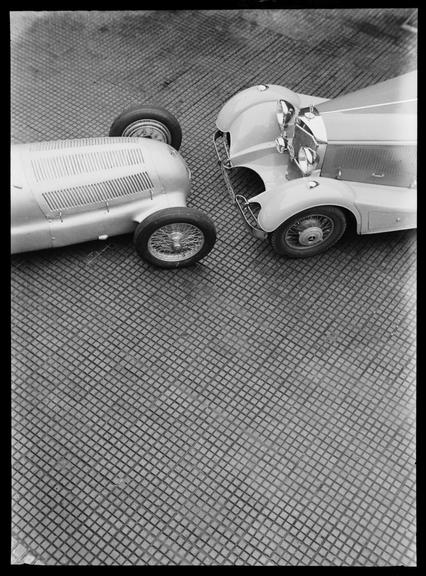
(175, 237)
(148, 122)
(309, 233)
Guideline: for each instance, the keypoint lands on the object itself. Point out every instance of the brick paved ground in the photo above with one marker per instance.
(251, 410)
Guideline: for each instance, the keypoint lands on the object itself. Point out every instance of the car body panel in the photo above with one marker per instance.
(400, 88)
(266, 162)
(282, 202)
(381, 127)
(382, 211)
(70, 191)
(386, 165)
(384, 208)
(345, 116)
(244, 101)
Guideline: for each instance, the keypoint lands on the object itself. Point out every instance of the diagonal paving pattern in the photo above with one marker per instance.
(251, 410)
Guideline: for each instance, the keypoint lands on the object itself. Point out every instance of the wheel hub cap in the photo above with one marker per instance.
(310, 236)
(176, 242)
(309, 231)
(148, 129)
(176, 239)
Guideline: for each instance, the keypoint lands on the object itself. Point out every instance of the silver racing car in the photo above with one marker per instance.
(69, 191)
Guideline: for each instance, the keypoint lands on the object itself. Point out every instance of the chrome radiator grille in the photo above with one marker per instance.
(98, 192)
(302, 137)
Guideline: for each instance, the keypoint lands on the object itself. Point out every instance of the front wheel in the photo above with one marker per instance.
(309, 233)
(151, 122)
(175, 237)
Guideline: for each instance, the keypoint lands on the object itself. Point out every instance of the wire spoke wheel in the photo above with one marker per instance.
(176, 242)
(175, 237)
(148, 128)
(146, 121)
(309, 231)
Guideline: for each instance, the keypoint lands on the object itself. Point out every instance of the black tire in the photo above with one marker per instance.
(154, 120)
(309, 233)
(175, 237)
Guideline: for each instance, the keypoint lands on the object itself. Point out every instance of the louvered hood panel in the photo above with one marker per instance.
(72, 174)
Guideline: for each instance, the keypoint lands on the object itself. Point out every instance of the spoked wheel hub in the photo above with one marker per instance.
(176, 242)
(311, 236)
(148, 128)
(309, 231)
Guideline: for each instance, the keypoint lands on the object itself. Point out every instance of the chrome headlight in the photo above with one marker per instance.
(306, 159)
(281, 144)
(285, 112)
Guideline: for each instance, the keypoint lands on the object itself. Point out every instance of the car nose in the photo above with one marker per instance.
(172, 169)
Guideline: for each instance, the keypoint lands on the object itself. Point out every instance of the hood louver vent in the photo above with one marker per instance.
(62, 166)
(98, 192)
(74, 143)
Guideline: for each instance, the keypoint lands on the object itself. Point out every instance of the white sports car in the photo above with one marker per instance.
(323, 163)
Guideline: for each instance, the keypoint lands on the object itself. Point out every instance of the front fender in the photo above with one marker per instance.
(250, 97)
(250, 118)
(283, 202)
(170, 200)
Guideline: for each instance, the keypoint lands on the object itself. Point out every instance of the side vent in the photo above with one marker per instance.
(76, 143)
(54, 167)
(99, 192)
(389, 165)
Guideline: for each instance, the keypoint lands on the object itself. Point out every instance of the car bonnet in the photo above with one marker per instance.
(385, 112)
(79, 174)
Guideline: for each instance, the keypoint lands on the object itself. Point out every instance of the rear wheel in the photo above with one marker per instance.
(175, 237)
(151, 122)
(309, 233)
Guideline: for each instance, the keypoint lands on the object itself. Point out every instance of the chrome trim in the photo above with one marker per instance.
(242, 203)
(280, 144)
(310, 166)
(285, 112)
(286, 115)
(224, 164)
(317, 133)
(310, 134)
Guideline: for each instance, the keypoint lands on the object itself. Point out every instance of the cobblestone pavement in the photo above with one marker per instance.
(250, 410)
